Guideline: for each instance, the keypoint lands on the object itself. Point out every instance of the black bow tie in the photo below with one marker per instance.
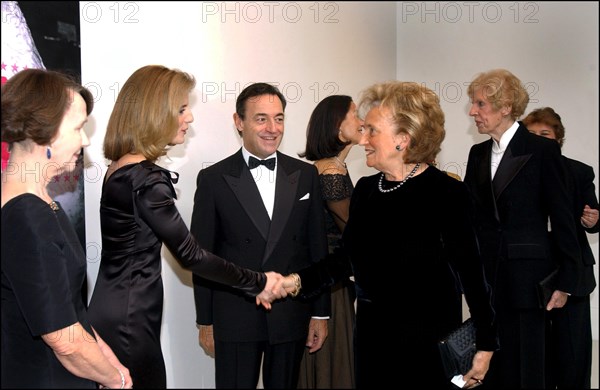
(254, 162)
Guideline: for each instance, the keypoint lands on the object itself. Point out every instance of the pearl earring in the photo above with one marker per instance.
(398, 148)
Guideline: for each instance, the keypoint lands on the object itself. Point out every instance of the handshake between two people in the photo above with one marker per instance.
(278, 287)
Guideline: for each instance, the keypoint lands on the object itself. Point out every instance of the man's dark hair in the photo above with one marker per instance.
(255, 90)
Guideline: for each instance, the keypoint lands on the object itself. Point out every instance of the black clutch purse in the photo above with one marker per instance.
(458, 349)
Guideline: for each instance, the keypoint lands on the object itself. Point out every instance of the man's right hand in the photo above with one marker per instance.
(273, 290)
(206, 339)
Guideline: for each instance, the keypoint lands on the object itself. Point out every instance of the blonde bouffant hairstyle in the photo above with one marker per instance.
(415, 111)
(145, 118)
(502, 89)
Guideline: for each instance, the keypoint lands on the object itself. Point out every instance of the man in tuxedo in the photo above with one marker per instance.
(518, 182)
(262, 210)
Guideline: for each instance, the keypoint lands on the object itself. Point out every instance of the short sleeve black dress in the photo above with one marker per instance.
(43, 274)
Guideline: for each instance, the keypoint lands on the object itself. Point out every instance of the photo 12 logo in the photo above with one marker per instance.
(456, 91)
(292, 90)
(455, 12)
(270, 11)
(118, 12)
(226, 92)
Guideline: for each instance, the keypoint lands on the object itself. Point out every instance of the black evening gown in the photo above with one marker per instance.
(416, 260)
(138, 214)
(410, 249)
(43, 273)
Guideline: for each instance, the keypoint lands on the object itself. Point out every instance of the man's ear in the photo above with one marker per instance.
(238, 122)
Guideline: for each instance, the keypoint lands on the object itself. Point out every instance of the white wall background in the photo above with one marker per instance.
(311, 50)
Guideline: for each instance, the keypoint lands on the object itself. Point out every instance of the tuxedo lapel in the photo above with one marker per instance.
(513, 160)
(480, 160)
(241, 182)
(484, 174)
(285, 191)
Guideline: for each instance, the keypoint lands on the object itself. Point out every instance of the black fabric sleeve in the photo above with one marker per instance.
(156, 206)
(461, 250)
(324, 274)
(588, 194)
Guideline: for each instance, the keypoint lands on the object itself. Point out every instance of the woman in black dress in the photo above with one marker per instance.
(47, 340)
(411, 246)
(138, 214)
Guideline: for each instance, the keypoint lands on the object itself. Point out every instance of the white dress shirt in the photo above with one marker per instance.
(265, 180)
(499, 148)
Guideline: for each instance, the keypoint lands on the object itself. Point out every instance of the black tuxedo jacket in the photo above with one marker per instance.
(230, 220)
(584, 192)
(512, 214)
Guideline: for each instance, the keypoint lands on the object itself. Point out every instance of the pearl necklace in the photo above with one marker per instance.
(411, 174)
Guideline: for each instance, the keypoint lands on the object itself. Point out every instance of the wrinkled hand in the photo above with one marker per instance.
(206, 339)
(589, 218)
(317, 333)
(114, 360)
(273, 290)
(481, 365)
(557, 300)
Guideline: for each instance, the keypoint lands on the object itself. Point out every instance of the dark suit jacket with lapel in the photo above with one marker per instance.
(512, 213)
(230, 220)
(584, 191)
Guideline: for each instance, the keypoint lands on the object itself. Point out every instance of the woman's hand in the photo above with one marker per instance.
(292, 284)
(589, 217)
(273, 290)
(481, 365)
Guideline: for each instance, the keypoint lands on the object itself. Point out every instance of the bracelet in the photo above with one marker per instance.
(122, 378)
(298, 284)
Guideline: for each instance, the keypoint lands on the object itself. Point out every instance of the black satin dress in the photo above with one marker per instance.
(138, 214)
